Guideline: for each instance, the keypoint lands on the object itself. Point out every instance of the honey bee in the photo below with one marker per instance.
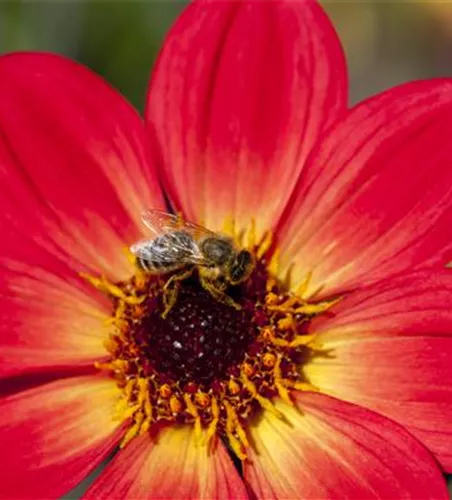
(181, 247)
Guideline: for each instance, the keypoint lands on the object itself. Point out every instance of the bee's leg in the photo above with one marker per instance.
(171, 289)
(217, 291)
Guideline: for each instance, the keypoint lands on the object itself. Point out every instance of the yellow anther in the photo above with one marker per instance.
(119, 313)
(94, 281)
(193, 411)
(191, 408)
(233, 424)
(314, 309)
(284, 393)
(265, 244)
(248, 369)
(267, 332)
(111, 344)
(143, 390)
(277, 369)
(100, 365)
(286, 306)
(165, 391)
(269, 336)
(212, 429)
(241, 434)
(128, 389)
(236, 446)
(132, 300)
(271, 299)
(269, 360)
(123, 411)
(120, 365)
(280, 383)
(130, 256)
(232, 427)
(301, 340)
(251, 235)
(265, 403)
(132, 431)
(148, 405)
(176, 405)
(273, 266)
(233, 387)
(287, 323)
(202, 399)
(105, 286)
(145, 426)
(229, 226)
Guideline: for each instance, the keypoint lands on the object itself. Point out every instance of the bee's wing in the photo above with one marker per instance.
(147, 250)
(160, 222)
(170, 249)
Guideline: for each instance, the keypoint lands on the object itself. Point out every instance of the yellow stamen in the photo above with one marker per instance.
(143, 390)
(128, 389)
(231, 428)
(271, 299)
(269, 360)
(301, 340)
(212, 429)
(233, 424)
(251, 236)
(287, 323)
(265, 244)
(280, 382)
(165, 391)
(175, 405)
(202, 399)
(264, 402)
(233, 387)
(132, 431)
(248, 369)
(273, 267)
(193, 411)
(318, 308)
(236, 446)
(105, 286)
(286, 306)
(229, 226)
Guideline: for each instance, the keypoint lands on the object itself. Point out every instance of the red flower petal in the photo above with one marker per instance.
(390, 349)
(376, 196)
(331, 449)
(75, 171)
(171, 465)
(49, 318)
(240, 93)
(53, 436)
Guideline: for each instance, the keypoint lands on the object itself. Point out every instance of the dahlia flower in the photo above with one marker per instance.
(332, 376)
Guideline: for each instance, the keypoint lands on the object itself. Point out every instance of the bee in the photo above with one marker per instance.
(180, 247)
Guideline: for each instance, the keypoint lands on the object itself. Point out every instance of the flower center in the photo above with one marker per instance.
(199, 340)
(204, 362)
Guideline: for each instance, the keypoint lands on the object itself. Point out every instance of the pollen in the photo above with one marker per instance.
(203, 362)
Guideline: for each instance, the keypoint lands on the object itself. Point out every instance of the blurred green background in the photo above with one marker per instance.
(386, 42)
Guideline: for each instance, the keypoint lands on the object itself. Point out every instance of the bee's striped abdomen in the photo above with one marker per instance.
(151, 265)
